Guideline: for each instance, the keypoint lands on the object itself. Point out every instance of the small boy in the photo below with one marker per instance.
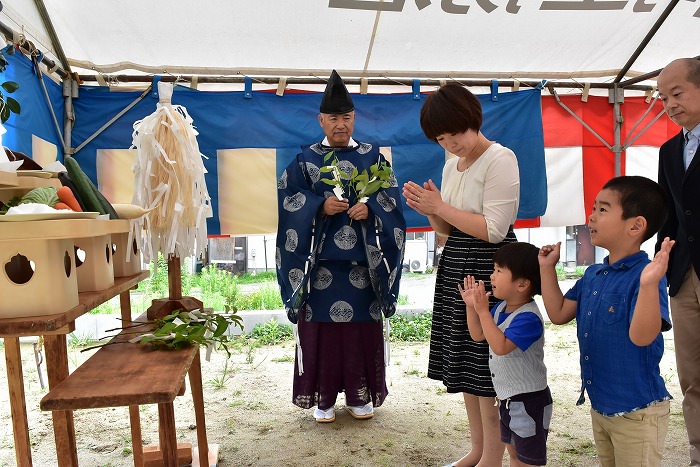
(514, 330)
(621, 307)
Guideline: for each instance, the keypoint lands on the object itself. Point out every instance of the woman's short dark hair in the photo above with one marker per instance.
(520, 258)
(449, 110)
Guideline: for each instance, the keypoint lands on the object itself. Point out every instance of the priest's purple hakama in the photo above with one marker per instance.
(338, 278)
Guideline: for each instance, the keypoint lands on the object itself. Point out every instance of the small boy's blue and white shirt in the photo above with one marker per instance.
(619, 376)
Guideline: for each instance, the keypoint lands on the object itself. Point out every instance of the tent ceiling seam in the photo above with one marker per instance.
(131, 81)
(303, 72)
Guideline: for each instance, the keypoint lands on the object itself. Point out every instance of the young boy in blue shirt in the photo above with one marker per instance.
(514, 330)
(621, 307)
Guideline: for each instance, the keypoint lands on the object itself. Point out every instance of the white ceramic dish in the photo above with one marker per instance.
(10, 166)
(43, 216)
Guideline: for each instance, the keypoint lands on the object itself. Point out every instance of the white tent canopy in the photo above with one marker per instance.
(579, 41)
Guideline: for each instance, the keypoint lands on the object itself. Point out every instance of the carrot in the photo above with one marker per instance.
(65, 194)
(62, 206)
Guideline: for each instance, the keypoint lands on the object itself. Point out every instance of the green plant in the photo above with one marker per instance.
(79, 340)
(402, 300)
(219, 382)
(182, 328)
(411, 328)
(267, 297)
(8, 104)
(272, 332)
(263, 276)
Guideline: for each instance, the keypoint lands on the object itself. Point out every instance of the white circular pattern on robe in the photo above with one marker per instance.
(399, 237)
(345, 238)
(374, 256)
(392, 180)
(295, 277)
(292, 241)
(364, 148)
(341, 312)
(386, 202)
(294, 203)
(278, 258)
(375, 311)
(359, 277)
(323, 278)
(346, 166)
(314, 172)
(309, 315)
(282, 181)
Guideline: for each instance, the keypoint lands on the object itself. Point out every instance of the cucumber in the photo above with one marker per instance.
(105, 206)
(94, 200)
(65, 180)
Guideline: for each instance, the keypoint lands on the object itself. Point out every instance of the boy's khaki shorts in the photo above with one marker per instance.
(633, 439)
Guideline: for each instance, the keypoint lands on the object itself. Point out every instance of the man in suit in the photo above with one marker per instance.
(679, 174)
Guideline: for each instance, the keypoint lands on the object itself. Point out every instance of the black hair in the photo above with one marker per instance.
(449, 110)
(641, 196)
(520, 258)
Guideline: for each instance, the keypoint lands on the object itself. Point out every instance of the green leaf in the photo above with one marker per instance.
(4, 113)
(10, 86)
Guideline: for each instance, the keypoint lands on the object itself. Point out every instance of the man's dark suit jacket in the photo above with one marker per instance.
(683, 222)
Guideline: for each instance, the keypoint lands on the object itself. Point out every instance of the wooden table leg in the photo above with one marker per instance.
(63, 425)
(125, 306)
(18, 409)
(168, 435)
(136, 440)
(195, 375)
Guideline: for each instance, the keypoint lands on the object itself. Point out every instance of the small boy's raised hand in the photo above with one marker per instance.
(656, 269)
(474, 294)
(549, 255)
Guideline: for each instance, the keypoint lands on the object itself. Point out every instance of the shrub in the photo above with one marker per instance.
(272, 332)
(411, 328)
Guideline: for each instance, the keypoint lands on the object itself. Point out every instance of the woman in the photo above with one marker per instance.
(475, 211)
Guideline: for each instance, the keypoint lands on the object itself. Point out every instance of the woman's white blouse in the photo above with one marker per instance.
(490, 186)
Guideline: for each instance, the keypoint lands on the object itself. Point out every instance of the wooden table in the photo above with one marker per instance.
(54, 327)
(145, 376)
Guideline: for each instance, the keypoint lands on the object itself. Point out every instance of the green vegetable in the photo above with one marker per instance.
(42, 195)
(91, 196)
(105, 206)
(14, 201)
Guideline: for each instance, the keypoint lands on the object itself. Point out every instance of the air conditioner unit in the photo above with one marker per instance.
(416, 265)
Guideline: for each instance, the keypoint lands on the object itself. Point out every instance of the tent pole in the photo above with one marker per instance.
(577, 118)
(617, 98)
(121, 79)
(46, 19)
(50, 64)
(642, 45)
(112, 120)
(70, 90)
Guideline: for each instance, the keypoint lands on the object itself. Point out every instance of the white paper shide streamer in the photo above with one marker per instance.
(169, 179)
